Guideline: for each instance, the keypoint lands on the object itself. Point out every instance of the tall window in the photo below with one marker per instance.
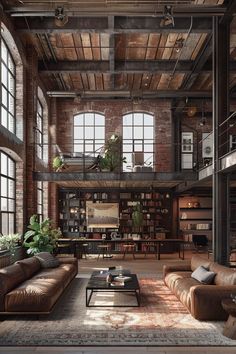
(138, 140)
(89, 133)
(8, 90)
(39, 130)
(40, 200)
(7, 194)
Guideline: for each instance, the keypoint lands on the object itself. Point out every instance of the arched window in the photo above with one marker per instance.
(7, 194)
(138, 140)
(89, 133)
(8, 88)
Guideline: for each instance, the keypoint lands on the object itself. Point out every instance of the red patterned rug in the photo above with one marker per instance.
(161, 320)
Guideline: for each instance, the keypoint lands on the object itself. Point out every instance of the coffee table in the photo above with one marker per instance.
(97, 284)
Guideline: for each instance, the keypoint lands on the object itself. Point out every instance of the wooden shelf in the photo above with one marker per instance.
(209, 219)
(195, 209)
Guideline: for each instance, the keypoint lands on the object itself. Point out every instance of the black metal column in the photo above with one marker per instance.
(221, 36)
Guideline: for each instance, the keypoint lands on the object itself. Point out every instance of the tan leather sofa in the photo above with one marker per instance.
(202, 301)
(26, 288)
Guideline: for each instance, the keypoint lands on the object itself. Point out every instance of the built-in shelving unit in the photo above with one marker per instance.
(155, 206)
(195, 217)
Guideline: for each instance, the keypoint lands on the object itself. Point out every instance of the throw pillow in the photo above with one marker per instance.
(47, 260)
(203, 275)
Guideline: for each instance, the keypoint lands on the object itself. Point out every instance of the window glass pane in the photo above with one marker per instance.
(127, 147)
(99, 119)
(148, 147)
(89, 148)
(4, 77)
(89, 119)
(138, 147)
(11, 188)
(127, 133)
(148, 159)
(78, 148)
(3, 204)
(138, 119)
(89, 133)
(11, 122)
(127, 119)
(3, 164)
(98, 148)
(4, 117)
(11, 223)
(138, 132)
(78, 133)
(11, 205)
(4, 224)
(79, 119)
(100, 133)
(4, 97)
(11, 64)
(3, 186)
(4, 52)
(11, 167)
(148, 119)
(11, 84)
(11, 105)
(148, 133)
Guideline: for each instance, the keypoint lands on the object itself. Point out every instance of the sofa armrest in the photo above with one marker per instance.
(66, 260)
(206, 301)
(178, 267)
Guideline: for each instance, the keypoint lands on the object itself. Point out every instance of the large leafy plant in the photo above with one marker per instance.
(58, 163)
(112, 158)
(41, 237)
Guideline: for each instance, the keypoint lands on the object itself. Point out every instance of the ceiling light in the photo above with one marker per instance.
(202, 122)
(60, 17)
(179, 44)
(168, 18)
(192, 111)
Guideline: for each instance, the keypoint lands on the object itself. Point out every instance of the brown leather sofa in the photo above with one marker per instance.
(202, 301)
(26, 288)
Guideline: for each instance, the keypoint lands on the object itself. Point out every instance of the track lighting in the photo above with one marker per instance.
(60, 17)
(168, 18)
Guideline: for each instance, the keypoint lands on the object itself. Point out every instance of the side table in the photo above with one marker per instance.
(230, 326)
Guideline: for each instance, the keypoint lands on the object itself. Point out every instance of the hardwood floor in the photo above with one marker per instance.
(143, 266)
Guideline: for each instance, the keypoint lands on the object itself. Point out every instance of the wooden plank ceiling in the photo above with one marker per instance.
(116, 49)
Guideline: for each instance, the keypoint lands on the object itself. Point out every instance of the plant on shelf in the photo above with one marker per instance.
(41, 237)
(137, 217)
(112, 158)
(9, 242)
(58, 163)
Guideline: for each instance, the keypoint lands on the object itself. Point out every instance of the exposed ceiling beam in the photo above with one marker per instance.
(121, 25)
(136, 66)
(128, 94)
(230, 10)
(116, 9)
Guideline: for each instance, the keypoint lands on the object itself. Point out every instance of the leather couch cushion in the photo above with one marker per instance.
(10, 277)
(30, 266)
(47, 260)
(180, 284)
(224, 276)
(197, 261)
(40, 293)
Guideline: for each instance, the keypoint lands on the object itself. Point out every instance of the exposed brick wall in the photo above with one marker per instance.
(114, 111)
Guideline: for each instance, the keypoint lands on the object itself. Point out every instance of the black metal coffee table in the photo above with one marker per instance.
(97, 284)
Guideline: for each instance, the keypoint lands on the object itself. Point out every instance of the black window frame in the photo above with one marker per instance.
(40, 205)
(39, 130)
(8, 177)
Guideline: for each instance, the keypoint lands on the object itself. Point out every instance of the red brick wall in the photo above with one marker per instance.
(114, 111)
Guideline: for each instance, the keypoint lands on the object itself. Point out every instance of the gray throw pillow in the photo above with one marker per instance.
(47, 260)
(203, 275)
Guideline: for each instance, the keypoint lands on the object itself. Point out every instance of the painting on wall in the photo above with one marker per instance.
(102, 215)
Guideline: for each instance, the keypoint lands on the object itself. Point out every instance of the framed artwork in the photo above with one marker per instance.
(102, 215)
(187, 161)
(187, 142)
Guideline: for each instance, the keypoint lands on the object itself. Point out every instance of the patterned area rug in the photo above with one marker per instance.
(160, 321)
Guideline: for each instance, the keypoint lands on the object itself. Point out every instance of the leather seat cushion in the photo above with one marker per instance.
(180, 284)
(197, 261)
(39, 293)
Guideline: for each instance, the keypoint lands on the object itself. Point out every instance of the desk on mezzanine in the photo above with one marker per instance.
(176, 241)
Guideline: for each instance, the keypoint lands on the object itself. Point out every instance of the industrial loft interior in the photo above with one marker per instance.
(117, 176)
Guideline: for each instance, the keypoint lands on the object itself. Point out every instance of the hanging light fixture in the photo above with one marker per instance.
(168, 18)
(60, 17)
(203, 118)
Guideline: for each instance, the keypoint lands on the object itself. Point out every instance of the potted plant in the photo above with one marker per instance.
(137, 217)
(112, 159)
(41, 237)
(8, 244)
(58, 163)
